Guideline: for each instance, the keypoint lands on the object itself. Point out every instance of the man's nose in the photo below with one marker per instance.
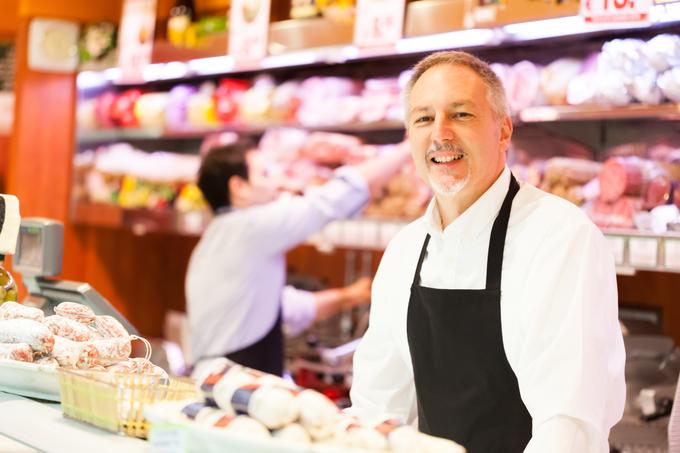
(442, 130)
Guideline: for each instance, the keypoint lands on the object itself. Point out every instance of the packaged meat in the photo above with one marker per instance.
(273, 406)
(350, 433)
(68, 328)
(75, 311)
(616, 214)
(206, 415)
(662, 52)
(138, 365)
(33, 333)
(318, 414)
(14, 310)
(658, 191)
(523, 85)
(405, 438)
(74, 354)
(569, 171)
(109, 327)
(555, 78)
(621, 176)
(16, 351)
(669, 82)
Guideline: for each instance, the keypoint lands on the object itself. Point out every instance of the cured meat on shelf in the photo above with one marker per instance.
(555, 78)
(33, 333)
(621, 176)
(111, 350)
(16, 351)
(617, 214)
(523, 85)
(14, 310)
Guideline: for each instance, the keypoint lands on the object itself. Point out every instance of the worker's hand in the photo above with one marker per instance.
(358, 293)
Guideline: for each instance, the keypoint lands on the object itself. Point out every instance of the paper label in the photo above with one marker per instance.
(167, 439)
(248, 30)
(642, 252)
(615, 10)
(378, 22)
(135, 42)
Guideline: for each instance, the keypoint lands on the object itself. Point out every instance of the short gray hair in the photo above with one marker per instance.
(495, 92)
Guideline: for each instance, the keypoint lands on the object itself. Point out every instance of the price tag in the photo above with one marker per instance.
(167, 439)
(618, 245)
(672, 253)
(136, 38)
(615, 10)
(248, 30)
(642, 252)
(378, 22)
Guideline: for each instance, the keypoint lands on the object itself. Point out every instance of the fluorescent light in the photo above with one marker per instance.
(450, 40)
(112, 74)
(90, 79)
(212, 65)
(289, 59)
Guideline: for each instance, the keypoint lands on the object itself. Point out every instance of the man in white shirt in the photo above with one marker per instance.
(237, 271)
(532, 361)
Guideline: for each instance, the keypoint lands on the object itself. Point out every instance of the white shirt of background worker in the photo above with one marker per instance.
(237, 271)
(557, 303)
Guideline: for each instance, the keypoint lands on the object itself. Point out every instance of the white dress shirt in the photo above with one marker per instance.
(559, 315)
(237, 271)
(298, 310)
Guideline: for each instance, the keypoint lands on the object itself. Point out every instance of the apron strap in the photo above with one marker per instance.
(416, 276)
(494, 261)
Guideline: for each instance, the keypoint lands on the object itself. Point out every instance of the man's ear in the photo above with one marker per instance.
(236, 186)
(506, 133)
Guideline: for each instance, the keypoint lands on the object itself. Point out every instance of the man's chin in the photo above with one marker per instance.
(448, 189)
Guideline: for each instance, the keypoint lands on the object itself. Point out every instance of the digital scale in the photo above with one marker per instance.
(38, 258)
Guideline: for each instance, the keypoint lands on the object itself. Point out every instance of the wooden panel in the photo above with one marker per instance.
(654, 290)
(8, 18)
(77, 10)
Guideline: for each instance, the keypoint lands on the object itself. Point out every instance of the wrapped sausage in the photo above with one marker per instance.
(13, 310)
(405, 439)
(75, 311)
(621, 176)
(73, 354)
(68, 328)
(318, 414)
(109, 327)
(138, 365)
(205, 415)
(273, 406)
(350, 433)
(16, 351)
(33, 333)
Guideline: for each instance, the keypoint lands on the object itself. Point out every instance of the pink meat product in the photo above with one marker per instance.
(68, 328)
(523, 85)
(658, 192)
(111, 350)
(16, 351)
(78, 312)
(569, 171)
(621, 176)
(618, 214)
(13, 310)
(47, 360)
(33, 333)
(109, 327)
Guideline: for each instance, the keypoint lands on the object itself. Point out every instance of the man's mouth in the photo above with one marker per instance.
(446, 159)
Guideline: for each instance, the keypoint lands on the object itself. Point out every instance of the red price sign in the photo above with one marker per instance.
(136, 38)
(248, 30)
(615, 10)
(378, 22)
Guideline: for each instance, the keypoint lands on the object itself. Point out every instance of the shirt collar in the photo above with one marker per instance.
(475, 218)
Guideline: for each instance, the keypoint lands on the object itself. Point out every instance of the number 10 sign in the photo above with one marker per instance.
(615, 10)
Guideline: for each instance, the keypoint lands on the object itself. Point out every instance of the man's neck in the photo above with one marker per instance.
(451, 207)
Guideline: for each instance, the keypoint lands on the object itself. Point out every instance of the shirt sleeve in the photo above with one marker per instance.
(570, 367)
(298, 309)
(382, 384)
(289, 221)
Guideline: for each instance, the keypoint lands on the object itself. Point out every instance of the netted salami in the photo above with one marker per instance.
(77, 312)
(68, 328)
(16, 351)
(13, 310)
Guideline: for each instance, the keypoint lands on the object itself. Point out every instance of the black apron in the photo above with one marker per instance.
(266, 354)
(465, 387)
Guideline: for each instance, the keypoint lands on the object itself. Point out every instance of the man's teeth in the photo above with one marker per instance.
(445, 159)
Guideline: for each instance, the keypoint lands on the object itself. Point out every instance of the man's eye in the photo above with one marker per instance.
(462, 115)
(422, 119)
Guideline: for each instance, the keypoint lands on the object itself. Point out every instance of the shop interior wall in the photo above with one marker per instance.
(143, 275)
